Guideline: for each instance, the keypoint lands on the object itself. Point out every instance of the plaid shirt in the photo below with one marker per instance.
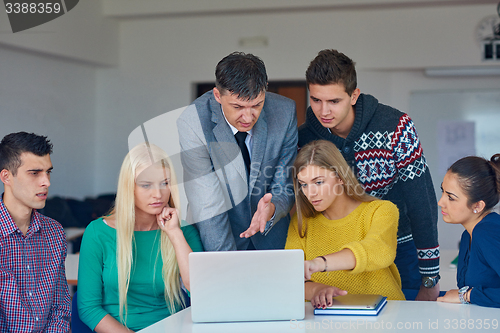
(34, 293)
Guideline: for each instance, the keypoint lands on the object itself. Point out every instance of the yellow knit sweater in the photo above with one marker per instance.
(370, 232)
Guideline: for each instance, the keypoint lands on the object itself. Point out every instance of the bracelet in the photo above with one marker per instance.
(462, 293)
(467, 294)
(324, 259)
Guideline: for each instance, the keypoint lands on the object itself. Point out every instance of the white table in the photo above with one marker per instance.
(397, 316)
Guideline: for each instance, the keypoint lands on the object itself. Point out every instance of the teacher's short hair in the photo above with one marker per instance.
(241, 74)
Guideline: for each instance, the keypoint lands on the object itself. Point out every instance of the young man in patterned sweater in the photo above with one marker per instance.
(381, 144)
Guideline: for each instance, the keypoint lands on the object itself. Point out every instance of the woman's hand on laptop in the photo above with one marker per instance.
(337, 261)
(313, 266)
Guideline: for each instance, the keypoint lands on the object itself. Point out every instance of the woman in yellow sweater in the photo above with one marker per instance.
(349, 238)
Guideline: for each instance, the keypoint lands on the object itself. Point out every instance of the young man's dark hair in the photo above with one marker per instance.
(241, 74)
(14, 144)
(332, 67)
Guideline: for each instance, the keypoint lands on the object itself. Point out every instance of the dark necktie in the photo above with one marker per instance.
(240, 138)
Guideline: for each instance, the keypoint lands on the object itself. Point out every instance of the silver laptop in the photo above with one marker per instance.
(247, 285)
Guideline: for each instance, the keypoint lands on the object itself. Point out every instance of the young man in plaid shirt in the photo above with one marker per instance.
(34, 293)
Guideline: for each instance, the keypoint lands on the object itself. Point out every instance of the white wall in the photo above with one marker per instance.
(132, 8)
(161, 58)
(431, 107)
(47, 86)
(56, 98)
(83, 33)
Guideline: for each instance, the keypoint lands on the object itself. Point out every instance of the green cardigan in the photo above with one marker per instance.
(98, 276)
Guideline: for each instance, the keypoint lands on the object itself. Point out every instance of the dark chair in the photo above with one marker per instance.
(77, 326)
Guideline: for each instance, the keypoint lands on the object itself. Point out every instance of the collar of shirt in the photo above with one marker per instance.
(249, 138)
(8, 226)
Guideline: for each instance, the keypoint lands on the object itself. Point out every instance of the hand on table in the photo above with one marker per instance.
(324, 296)
(451, 296)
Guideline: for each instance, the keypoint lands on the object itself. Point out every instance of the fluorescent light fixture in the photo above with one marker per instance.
(463, 71)
(257, 41)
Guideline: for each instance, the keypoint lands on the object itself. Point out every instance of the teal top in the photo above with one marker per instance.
(98, 276)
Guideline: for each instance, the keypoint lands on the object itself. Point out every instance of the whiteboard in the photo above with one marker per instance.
(430, 110)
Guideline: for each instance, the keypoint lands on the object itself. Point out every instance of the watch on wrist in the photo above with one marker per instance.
(461, 294)
(269, 225)
(429, 281)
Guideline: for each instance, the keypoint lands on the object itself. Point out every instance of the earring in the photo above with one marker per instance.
(475, 211)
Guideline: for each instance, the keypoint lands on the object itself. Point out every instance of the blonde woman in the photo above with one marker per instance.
(348, 237)
(132, 261)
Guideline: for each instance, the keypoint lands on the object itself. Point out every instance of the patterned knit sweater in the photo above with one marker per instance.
(385, 154)
(370, 233)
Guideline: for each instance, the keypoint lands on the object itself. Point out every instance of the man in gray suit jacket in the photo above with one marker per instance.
(238, 145)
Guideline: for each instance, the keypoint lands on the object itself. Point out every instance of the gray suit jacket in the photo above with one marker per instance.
(221, 200)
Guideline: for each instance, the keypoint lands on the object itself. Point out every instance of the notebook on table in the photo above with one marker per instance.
(354, 305)
(247, 285)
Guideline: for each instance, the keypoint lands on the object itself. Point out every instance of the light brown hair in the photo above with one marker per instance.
(323, 154)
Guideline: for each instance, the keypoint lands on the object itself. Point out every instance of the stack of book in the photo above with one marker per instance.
(354, 305)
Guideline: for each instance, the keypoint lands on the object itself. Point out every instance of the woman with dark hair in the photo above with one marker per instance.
(471, 188)
(348, 237)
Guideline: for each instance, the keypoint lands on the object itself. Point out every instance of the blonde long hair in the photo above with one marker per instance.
(323, 154)
(143, 155)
